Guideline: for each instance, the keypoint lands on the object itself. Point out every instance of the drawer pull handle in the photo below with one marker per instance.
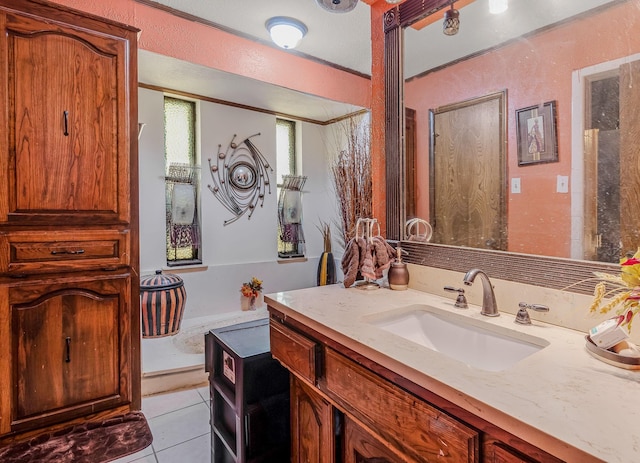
(79, 251)
(66, 123)
(68, 342)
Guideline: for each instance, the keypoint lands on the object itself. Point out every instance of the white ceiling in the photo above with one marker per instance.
(340, 39)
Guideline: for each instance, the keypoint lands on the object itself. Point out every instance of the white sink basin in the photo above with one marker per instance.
(476, 343)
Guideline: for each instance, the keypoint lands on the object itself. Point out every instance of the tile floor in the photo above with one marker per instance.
(179, 422)
(179, 419)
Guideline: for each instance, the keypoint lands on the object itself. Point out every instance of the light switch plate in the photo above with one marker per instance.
(515, 185)
(563, 184)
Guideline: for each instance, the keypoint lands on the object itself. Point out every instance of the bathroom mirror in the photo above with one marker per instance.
(426, 70)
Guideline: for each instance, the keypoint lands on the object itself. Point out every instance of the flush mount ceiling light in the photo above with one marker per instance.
(394, 2)
(451, 23)
(498, 6)
(285, 32)
(337, 6)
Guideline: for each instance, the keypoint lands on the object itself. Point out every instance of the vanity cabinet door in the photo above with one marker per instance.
(501, 454)
(312, 425)
(362, 447)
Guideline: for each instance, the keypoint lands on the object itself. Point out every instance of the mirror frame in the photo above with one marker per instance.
(549, 272)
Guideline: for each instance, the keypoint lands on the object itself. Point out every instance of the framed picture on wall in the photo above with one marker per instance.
(536, 131)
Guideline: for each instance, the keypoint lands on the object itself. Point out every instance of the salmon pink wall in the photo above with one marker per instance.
(378, 113)
(180, 38)
(533, 71)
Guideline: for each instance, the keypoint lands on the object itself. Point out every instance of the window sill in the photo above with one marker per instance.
(186, 268)
(290, 260)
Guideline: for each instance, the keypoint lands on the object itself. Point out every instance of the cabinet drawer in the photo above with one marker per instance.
(296, 352)
(27, 252)
(406, 422)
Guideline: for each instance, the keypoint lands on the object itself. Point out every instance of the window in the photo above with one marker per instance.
(290, 233)
(286, 148)
(182, 197)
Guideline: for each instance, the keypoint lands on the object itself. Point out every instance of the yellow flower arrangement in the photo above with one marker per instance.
(626, 292)
(251, 288)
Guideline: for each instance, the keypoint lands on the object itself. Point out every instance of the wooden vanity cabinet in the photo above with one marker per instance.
(382, 422)
(69, 253)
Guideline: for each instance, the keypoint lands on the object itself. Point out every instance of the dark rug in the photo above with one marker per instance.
(84, 443)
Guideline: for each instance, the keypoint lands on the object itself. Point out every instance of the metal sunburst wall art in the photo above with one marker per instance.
(240, 177)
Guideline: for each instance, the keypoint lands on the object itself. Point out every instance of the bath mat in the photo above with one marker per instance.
(98, 442)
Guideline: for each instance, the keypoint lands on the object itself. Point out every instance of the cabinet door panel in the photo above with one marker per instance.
(312, 428)
(361, 447)
(66, 156)
(66, 343)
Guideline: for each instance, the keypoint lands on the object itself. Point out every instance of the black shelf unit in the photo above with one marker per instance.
(249, 393)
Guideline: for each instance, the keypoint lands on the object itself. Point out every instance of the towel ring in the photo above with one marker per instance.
(418, 230)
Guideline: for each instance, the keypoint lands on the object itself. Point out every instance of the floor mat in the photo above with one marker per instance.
(98, 442)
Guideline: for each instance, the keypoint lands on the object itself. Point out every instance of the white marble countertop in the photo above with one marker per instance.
(559, 399)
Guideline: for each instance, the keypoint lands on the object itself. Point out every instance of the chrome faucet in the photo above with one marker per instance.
(489, 306)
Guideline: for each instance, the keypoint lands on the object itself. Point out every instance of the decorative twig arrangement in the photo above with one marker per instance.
(240, 177)
(352, 177)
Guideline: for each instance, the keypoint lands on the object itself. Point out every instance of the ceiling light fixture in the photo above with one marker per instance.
(337, 6)
(498, 6)
(451, 23)
(394, 2)
(286, 32)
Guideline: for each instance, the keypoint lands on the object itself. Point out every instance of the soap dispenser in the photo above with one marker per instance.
(398, 273)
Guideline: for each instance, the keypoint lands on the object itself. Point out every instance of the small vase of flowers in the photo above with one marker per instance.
(251, 294)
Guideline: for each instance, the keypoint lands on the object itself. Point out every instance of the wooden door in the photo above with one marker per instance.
(312, 427)
(68, 129)
(66, 340)
(468, 172)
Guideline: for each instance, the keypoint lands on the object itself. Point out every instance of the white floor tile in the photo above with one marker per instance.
(147, 459)
(205, 394)
(145, 455)
(179, 426)
(197, 450)
(157, 405)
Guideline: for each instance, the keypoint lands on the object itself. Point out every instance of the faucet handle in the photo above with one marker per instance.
(461, 300)
(522, 316)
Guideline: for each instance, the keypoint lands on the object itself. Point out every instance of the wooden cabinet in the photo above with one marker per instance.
(69, 285)
(68, 123)
(380, 420)
(66, 338)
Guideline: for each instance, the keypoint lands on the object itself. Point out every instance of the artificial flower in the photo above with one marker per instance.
(626, 292)
(252, 288)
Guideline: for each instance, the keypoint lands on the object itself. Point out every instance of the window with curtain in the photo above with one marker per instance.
(182, 178)
(290, 234)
